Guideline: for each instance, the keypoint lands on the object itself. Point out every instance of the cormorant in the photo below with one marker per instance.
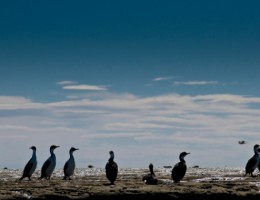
(49, 165)
(253, 162)
(179, 169)
(111, 168)
(69, 166)
(150, 178)
(30, 166)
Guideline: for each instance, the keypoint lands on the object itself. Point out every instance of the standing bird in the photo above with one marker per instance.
(30, 166)
(179, 169)
(69, 166)
(253, 162)
(49, 165)
(111, 168)
(150, 178)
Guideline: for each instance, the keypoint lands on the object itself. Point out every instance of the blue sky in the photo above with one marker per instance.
(147, 79)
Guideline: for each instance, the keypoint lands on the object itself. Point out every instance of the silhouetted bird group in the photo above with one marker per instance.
(49, 165)
(111, 167)
(178, 171)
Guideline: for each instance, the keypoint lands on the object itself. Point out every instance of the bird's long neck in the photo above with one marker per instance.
(34, 155)
(182, 159)
(111, 159)
(52, 153)
(71, 155)
(151, 171)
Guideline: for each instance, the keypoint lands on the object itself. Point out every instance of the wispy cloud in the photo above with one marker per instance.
(163, 78)
(84, 87)
(191, 83)
(67, 82)
(74, 85)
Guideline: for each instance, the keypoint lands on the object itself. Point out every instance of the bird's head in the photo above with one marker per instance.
(53, 147)
(33, 148)
(151, 166)
(183, 154)
(72, 149)
(256, 147)
(112, 155)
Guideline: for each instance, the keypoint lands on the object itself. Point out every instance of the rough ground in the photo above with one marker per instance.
(128, 186)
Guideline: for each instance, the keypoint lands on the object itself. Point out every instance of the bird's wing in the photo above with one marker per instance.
(179, 170)
(45, 165)
(28, 167)
(115, 165)
(250, 164)
(175, 168)
(66, 166)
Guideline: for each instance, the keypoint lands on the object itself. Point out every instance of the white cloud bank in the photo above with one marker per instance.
(139, 129)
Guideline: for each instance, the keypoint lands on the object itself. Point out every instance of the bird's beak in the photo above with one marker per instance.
(57, 146)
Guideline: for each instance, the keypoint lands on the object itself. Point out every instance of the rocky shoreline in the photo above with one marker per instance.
(130, 186)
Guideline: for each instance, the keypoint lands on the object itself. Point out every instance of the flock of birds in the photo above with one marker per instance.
(69, 167)
(111, 168)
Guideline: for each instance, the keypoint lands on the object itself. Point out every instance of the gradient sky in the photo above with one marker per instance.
(147, 79)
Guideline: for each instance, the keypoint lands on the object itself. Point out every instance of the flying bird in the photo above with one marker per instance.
(69, 166)
(150, 178)
(242, 142)
(30, 166)
(111, 168)
(179, 169)
(253, 162)
(49, 165)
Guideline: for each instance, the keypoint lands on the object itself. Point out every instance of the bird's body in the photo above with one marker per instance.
(253, 162)
(150, 178)
(179, 170)
(70, 165)
(111, 168)
(49, 165)
(30, 166)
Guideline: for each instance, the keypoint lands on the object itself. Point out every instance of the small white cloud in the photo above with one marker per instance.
(196, 83)
(148, 85)
(163, 78)
(84, 87)
(67, 82)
